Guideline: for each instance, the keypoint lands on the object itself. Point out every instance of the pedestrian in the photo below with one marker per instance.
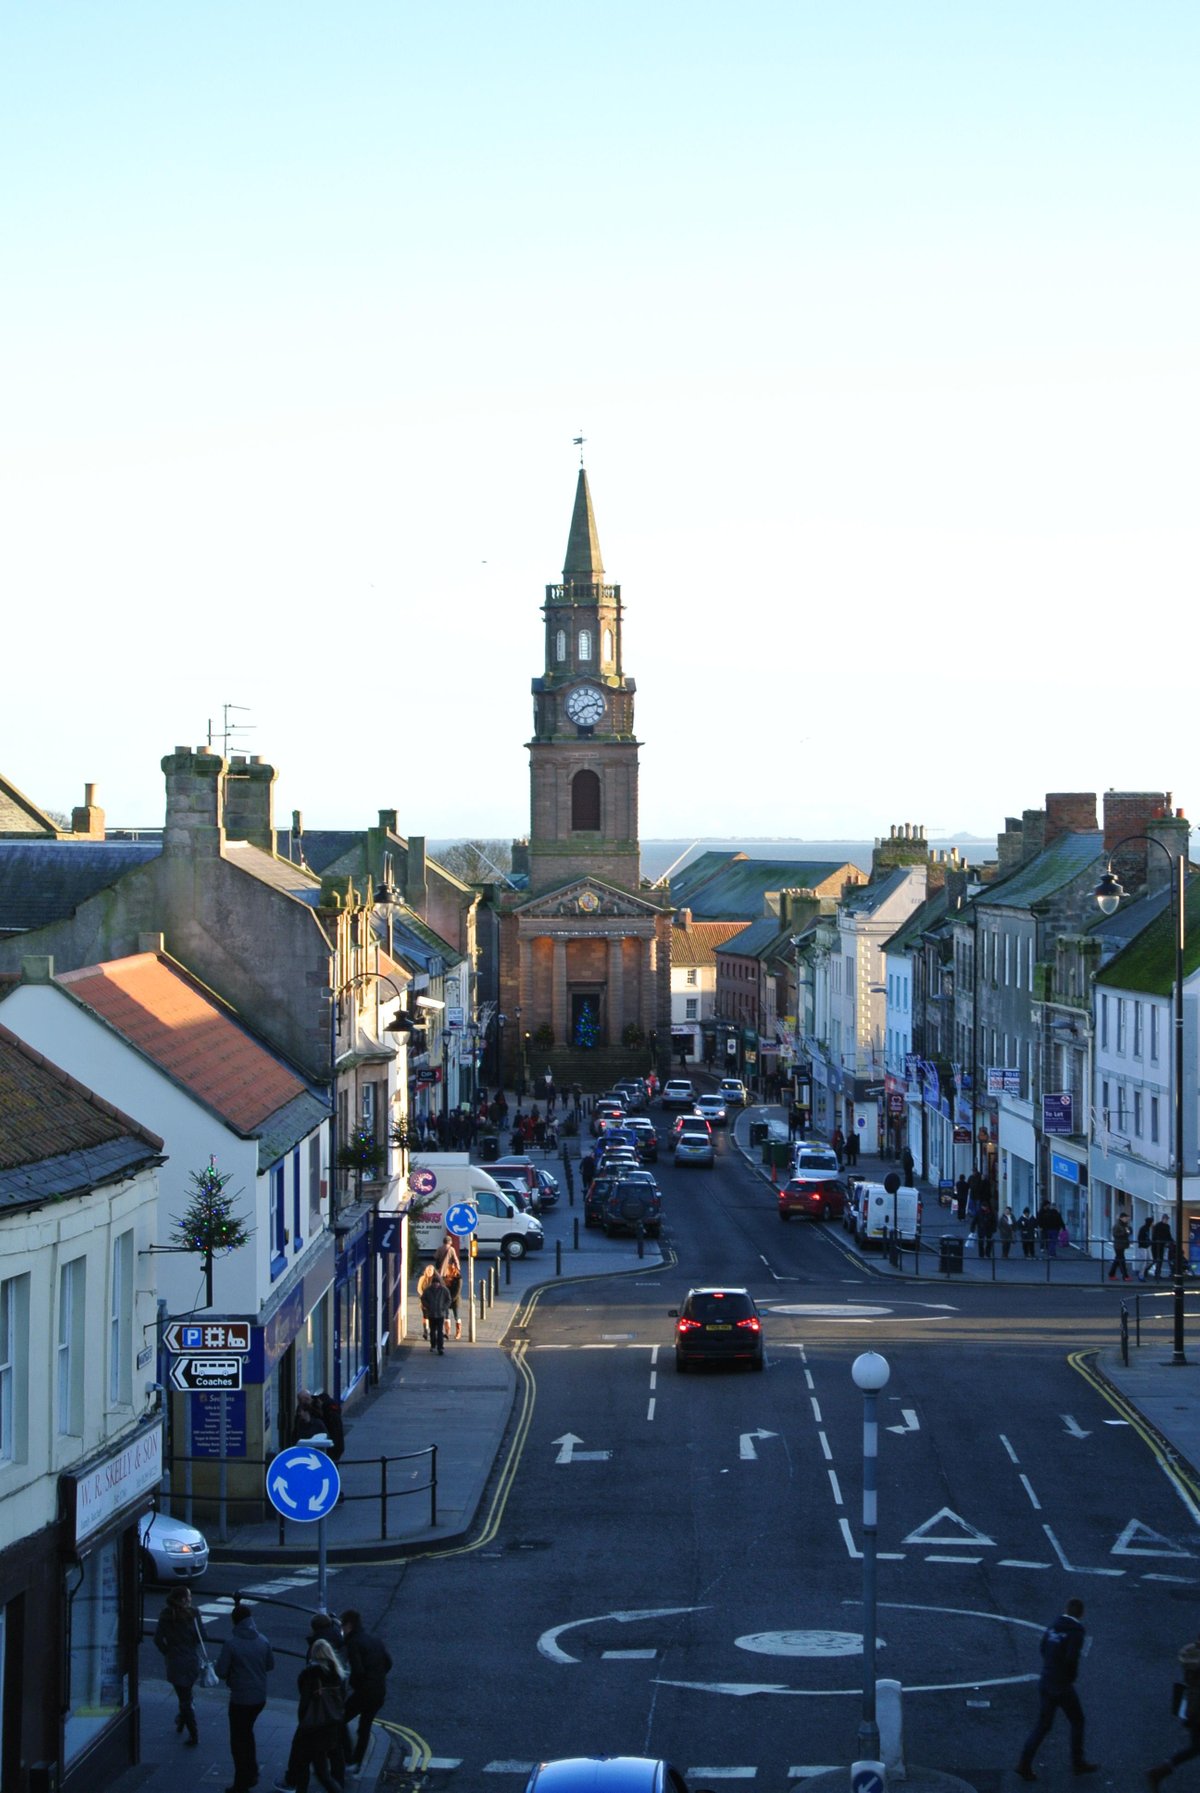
(245, 1661)
(331, 1424)
(1050, 1225)
(852, 1147)
(320, 1710)
(960, 1196)
(424, 1282)
(179, 1637)
(370, 1665)
(325, 1628)
(1006, 1227)
(1027, 1227)
(1062, 1643)
(838, 1143)
(1141, 1266)
(437, 1306)
(1121, 1237)
(1161, 1237)
(449, 1267)
(907, 1165)
(307, 1421)
(985, 1227)
(1188, 1708)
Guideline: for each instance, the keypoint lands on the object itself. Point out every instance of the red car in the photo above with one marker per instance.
(812, 1198)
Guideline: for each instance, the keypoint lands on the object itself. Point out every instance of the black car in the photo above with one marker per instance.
(633, 1204)
(645, 1138)
(601, 1187)
(717, 1326)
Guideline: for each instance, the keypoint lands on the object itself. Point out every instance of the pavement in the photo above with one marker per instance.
(463, 1402)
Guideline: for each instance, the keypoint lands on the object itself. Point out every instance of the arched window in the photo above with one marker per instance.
(560, 645)
(585, 644)
(585, 801)
(608, 646)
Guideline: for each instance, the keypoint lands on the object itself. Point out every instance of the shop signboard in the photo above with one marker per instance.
(1003, 1080)
(122, 1478)
(1058, 1114)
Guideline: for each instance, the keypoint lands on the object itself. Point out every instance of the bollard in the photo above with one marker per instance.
(575, 1223)
(891, 1727)
(507, 1269)
(641, 1237)
(558, 1257)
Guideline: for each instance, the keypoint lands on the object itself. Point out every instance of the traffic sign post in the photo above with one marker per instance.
(303, 1484)
(210, 1371)
(186, 1336)
(462, 1218)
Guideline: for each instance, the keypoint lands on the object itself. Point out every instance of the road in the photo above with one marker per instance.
(676, 1569)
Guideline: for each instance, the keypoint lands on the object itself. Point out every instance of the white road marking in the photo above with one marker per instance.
(654, 1378)
(911, 1422)
(1073, 1426)
(808, 1381)
(818, 1645)
(1074, 1568)
(1028, 1487)
(834, 1484)
(828, 1454)
(548, 1644)
(816, 1410)
(845, 1525)
(953, 1559)
(650, 1407)
(525, 1768)
(1184, 1581)
(1156, 1544)
(628, 1655)
(1008, 1447)
(568, 1454)
(811, 1771)
(722, 1774)
(967, 1534)
(746, 1449)
(1016, 1562)
(653, 1348)
(444, 1762)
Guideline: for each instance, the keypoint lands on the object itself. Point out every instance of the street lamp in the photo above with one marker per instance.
(870, 1373)
(1108, 894)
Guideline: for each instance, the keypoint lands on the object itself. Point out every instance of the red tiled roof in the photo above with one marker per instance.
(44, 1112)
(154, 1005)
(696, 944)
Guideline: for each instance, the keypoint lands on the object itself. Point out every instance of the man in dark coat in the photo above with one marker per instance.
(245, 1661)
(1062, 1644)
(370, 1664)
(1161, 1240)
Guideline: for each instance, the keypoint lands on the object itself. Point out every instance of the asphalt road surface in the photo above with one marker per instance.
(675, 1569)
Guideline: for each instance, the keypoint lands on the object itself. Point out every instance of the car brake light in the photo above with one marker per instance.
(751, 1323)
(686, 1325)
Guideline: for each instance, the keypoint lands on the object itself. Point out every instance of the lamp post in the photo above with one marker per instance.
(1108, 894)
(870, 1373)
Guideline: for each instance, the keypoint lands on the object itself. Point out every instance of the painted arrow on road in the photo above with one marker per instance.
(746, 1448)
(568, 1454)
(911, 1422)
(1073, 1426)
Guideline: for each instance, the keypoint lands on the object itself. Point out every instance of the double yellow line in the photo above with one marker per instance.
(1177, 1472)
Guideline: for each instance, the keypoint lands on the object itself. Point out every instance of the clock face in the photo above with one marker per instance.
(585, 705)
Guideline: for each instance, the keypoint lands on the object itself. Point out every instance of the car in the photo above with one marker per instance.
(634, 1091)
(608, 1774)
(813, 1158)
(171, 1550)
(614, 1134)
(645, 1138)
(633, 1204)
(678, 1093)
(543, 1185)
(515, 1188)
(598, 1190)
(734, 1092)
(711, 1104)
(717, 1325)
(687, 1123)
(813, 1198)
(605, 1109)
(695, 1149)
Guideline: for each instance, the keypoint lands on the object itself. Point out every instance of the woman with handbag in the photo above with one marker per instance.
(1185, 1703)
(179, 1637)
(319, 1718)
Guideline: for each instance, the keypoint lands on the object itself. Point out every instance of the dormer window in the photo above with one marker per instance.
(585, 644)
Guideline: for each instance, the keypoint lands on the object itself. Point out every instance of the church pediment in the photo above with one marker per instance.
(586, 899)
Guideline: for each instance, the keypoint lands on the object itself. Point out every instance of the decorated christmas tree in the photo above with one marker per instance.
(587, 1027)
(209, 1225)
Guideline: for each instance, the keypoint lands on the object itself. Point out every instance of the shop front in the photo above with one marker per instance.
(1069, 1194)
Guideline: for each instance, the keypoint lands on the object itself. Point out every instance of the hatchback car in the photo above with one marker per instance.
(711, 1104)
(812, 1198)
(607, 1774)
(688, 1123)
(678, 1093)
(734, 1092)
(171, 1550)
(543, 1184)
(645, 1138)
(606, 1110)
(634, 1091)
(717, 1326)
(695, 1149)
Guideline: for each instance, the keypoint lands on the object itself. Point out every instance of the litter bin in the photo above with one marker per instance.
(760, 1132)
(951, 1260)
(780, 1154)
(489, 1148)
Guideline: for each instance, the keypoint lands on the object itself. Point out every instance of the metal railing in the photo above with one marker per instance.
(250, 1507)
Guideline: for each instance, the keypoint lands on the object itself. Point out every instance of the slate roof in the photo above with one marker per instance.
(1058, 864)
(908, 935)
(173, 1021)
(58, 1139)
(321, 847)
(867, 898)
(18, 815)
(1147, 964)
(292, 880)
(754, 939)
(732, 886)
(42, 881)
(697, 944)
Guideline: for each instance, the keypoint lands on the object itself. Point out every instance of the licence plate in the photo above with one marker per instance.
(724, 1326)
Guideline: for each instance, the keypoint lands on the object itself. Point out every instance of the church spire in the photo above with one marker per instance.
(583, 565)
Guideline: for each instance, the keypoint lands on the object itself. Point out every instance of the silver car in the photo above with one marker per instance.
(171, 1550)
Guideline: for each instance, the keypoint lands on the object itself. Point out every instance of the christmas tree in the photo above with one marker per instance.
(587, 1027)
(210, 1224)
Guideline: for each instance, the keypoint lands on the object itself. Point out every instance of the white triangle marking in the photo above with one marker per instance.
(1155, 1544)
(966, 1534)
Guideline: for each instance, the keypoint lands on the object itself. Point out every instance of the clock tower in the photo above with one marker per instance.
(583, 758)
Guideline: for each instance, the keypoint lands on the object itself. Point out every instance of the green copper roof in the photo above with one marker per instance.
(583, 565)
(1147, 964)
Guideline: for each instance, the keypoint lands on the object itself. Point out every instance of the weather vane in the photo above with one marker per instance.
(579, 442)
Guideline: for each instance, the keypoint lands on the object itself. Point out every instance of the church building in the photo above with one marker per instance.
(585, 974)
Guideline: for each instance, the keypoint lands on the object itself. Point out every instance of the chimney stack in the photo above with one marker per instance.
(249, 801)
(195, 803)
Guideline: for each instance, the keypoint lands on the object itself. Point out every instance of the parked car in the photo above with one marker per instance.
(813, 1158)
(608, 1774)
(711, 1104)
(812, 1198)
(542, 1184)
(645, 1138)
(633, 1202)
(171, 1550)
(734, 1092)
(717, 1325)
(678, 1093)
(605, 1109)
(634, 1091)
(515, 1188)
(601, 1186)
(695, 1149)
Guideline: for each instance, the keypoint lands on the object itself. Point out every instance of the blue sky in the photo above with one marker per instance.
(880, 322)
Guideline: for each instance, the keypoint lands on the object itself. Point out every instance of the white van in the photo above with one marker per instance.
(502, 1226)
(813, 1159)
(878, 1213)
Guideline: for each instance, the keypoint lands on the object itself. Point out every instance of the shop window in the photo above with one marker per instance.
(98, 1672)
(120, 1323)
